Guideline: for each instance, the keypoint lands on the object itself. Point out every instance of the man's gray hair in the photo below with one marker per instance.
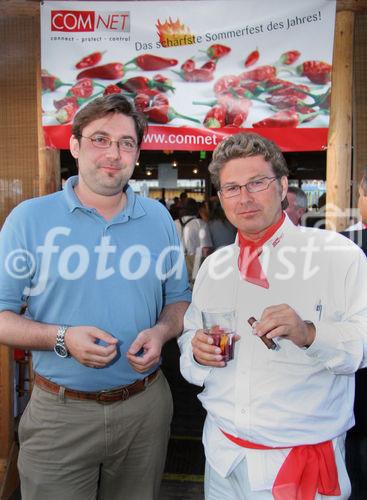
(243, 146)
(301, 197)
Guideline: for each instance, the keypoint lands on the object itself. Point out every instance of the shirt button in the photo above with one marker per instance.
(243, 410)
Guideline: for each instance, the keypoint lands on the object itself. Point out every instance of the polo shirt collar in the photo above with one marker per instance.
(132, 210)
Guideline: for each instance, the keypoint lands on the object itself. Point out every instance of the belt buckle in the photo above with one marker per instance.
(99, 395)
(124, 396)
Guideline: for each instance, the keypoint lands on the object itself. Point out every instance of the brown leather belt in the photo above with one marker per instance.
(107, 396)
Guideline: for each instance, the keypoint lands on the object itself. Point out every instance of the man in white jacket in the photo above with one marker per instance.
(362, 204)
(276, 419)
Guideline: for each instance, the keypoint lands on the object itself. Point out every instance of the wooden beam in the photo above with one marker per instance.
(6, 406)
(339, 154)
(11, 479)
(354, 5)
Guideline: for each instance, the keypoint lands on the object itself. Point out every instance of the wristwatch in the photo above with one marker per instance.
(60, 347)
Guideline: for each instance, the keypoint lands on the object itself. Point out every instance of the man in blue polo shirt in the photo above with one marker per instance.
(102, 275)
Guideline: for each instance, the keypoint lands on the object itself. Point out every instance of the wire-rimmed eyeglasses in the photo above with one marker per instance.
(231, 190)
(103, 142)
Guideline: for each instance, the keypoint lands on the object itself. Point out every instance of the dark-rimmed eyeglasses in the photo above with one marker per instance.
(231, 190)
(103, 142)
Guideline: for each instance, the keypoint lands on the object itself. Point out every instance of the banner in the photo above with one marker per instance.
(199, 70)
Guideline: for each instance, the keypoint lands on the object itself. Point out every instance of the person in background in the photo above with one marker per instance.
(203, 211)
(194, 234)
(183, 199)
(174, 209)
(321, 202)
(222, 232)
(276, 417)
(362, 204)
(102, 299)
(357, 436)
(297, 204)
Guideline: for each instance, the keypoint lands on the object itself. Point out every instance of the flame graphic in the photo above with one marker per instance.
(172, 33)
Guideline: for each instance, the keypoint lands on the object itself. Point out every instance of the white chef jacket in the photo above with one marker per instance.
(295, 395)
(357, 226)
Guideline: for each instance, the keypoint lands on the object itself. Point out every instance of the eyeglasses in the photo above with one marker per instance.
(255, 186)
(104, 142)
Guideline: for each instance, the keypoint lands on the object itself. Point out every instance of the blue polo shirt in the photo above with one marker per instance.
(73, 267)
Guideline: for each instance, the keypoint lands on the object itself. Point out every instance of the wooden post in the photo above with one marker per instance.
(339, 155)
(8, 449)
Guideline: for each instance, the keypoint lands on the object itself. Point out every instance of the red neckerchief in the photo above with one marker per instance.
(248, 259)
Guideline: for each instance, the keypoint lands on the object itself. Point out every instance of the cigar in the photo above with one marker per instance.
(270, 344)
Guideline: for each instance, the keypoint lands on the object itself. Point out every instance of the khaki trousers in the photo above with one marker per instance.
(83, 450)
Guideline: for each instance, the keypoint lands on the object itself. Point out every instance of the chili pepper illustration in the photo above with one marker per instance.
(164, 114)
(137, 83)
(196, 75)
(237, 107)
(289, 57)
(252, 58)
(66, 113)
(90, 60)
(301, 108)
(159, 100)
(250, 89)
(83, 88)
(321, 100)
(216, 51)
(141, 101)
(150, 92)
(110, 71)
(112, 89)
(161, 112)
(59, 103)
(226, 82)
(291, 90)
(316, 71)
(188, 65)
(50, 82)
(235, 104)
(210, 65)
(149, 62)
(284, 118)
(215, 117)
(283, 101)
(236, 119)
(259, 74)
(163, 83)
(324, 100)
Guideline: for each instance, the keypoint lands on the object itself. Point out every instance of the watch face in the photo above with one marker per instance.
(61, 351)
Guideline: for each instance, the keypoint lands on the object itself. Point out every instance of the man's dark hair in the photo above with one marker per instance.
(190, 208)
(106, 105)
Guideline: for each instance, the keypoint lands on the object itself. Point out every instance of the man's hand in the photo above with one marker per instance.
(145, 351)
(283, 321)
(205, 352)
(81, 343)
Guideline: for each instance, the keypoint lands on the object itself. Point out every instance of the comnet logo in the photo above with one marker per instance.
(89, 20)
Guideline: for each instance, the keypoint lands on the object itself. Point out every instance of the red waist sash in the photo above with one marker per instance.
(308, 469)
